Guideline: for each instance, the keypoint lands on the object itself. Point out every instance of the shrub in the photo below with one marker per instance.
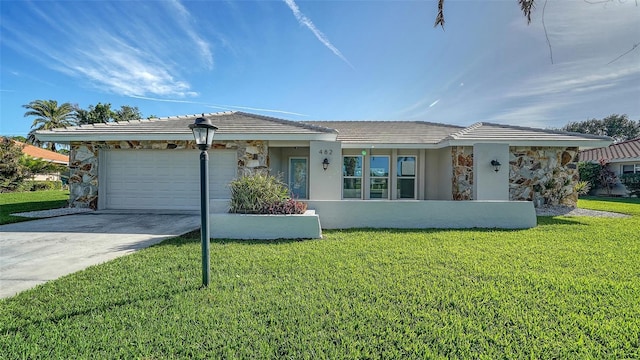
(589, 172)
(632, 182)
(12, 171)
(582, 187)
(607, 179)
(262, 194)
(40, 185)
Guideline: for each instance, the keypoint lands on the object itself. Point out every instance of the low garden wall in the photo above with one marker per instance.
(265, 227)
(416, 214)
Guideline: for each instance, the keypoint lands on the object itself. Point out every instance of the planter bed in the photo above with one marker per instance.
(264, 227)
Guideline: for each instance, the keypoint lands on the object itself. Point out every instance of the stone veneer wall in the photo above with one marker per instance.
(83, 184)
(544, 175)
(462, 180)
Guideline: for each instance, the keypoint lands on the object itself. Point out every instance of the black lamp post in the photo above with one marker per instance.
(203, 132)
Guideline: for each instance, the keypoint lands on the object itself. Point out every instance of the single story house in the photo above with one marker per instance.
(410, 174)
(44, 155)
(622, 158)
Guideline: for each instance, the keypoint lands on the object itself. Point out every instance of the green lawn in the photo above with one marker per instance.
(569, 288)
(30, 201)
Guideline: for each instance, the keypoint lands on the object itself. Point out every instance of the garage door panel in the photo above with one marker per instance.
(159, 179)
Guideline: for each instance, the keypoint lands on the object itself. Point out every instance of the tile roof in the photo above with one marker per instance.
(389, 132)
(244, 126)
(44, 154)
(493, 132)
(623, 151)
(233, 122)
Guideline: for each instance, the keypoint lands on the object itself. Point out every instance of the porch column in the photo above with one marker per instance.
(325, 184)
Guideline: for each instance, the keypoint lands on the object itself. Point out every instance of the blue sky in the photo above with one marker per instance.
(324, 60)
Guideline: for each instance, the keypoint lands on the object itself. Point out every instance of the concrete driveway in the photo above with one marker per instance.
(34, 252)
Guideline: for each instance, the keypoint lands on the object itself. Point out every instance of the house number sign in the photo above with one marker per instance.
(325, 152)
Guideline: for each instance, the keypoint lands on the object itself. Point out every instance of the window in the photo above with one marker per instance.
(406, 175)
(352, 177)
(379, 177)
(298, 178)
(631, 169)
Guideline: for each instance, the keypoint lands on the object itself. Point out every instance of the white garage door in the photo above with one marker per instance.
(163, 179)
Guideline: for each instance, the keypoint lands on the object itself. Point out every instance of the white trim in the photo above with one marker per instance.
(585, 144)
(582, 143)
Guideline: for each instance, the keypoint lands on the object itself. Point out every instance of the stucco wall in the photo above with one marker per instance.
(414, 214)
(489, 184)
(252, 157)
(544, 175)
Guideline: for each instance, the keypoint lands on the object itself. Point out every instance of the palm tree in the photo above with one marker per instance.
(48, 116)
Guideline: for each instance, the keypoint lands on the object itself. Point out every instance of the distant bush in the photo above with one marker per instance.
(589, 172)
(632, 182)
(262, 194)
(40, 185)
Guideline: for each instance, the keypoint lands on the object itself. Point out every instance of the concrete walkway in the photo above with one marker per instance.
(34, 252)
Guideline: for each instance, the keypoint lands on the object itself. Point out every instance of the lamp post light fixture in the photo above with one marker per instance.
(203, 132)
(325, 164)
(496, 165)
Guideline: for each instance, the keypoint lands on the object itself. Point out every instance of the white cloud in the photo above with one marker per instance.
(303, 20)
(114, 50)
(186, 22)
(217, 106)
(582, 83)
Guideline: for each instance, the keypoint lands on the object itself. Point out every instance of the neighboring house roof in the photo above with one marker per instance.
(43, 154)
(353, 134)
(623, 151)
(231, 126)
(364, 133)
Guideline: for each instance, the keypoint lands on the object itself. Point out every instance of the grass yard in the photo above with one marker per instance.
(569, 288)
(30, 201)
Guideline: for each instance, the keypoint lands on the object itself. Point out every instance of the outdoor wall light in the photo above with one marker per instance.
(496, 165)
(325, 164)
(203, 132)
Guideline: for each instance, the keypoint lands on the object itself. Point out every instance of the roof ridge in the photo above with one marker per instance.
(288, 122)
(463, 131)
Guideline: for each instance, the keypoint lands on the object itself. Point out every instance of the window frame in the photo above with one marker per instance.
(372, 177)
(361, 176)
(414, 177)
(635, 168)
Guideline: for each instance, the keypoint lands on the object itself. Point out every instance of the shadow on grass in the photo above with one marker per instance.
(26, 320)
(552, 220)
(622, 200)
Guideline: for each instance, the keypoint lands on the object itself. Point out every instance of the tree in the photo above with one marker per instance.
(126, 113)
(48, 116)
(102, 113)
(525, 5)
(20, 138)
(618, 127)
(12, 170)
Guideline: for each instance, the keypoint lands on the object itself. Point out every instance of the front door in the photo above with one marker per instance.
(298, 170)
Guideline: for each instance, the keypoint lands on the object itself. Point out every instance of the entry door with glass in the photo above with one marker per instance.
(298, 184)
